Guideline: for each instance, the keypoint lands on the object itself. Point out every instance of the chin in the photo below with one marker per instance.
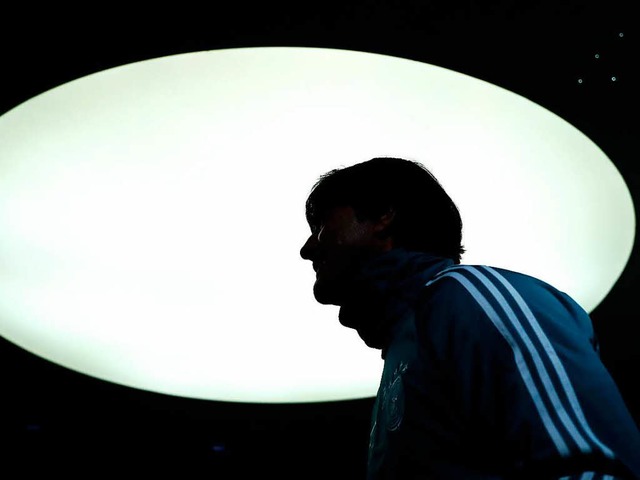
(326, 295)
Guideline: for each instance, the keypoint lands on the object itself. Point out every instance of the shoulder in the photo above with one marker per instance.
(459, 298)
(460, 317)
(467, 293)
(484, 283)
(464, 297)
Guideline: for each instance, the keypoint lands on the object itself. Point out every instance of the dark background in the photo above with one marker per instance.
(58, 421)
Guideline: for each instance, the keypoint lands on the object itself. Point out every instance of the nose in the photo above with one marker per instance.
(307, 250)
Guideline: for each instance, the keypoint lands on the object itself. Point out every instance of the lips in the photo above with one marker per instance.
(316, 266)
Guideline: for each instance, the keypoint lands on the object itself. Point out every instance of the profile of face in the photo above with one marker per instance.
(339, 248)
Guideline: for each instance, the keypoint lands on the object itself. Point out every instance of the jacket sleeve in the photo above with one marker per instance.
(526, 378)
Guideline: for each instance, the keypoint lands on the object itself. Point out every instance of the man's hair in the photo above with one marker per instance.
(426, 219)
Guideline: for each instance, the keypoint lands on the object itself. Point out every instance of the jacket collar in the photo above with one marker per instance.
(386, 287)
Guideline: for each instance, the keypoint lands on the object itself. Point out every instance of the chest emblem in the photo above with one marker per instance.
(393, 399)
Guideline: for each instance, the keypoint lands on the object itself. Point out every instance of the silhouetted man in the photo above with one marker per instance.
(488, 373)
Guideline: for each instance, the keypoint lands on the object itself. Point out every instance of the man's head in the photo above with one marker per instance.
(366, 209)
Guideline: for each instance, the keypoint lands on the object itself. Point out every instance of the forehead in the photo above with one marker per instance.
(333, 217)
(339, 215)
(336, 213)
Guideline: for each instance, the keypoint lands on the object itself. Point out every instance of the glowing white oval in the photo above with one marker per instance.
(152, 214)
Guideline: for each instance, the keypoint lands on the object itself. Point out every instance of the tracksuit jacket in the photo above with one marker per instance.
(488, 374)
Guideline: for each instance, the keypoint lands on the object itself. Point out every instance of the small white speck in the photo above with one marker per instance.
(613, 79)
(597, 55)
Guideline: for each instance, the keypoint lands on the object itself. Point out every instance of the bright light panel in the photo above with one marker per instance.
(152, 214)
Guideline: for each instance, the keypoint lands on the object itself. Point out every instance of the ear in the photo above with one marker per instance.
(381, 226)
